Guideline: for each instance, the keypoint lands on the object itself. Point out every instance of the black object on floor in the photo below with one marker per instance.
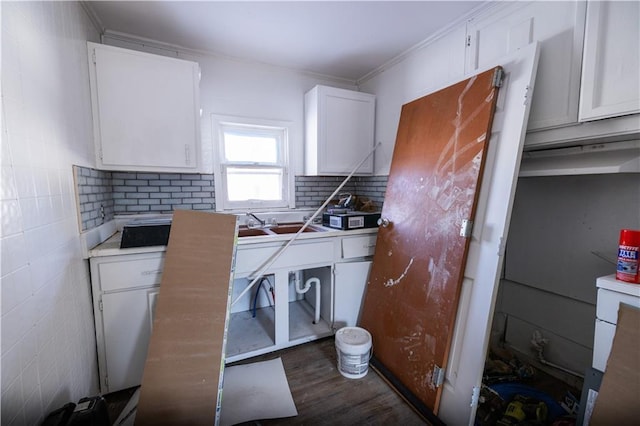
(91, 411)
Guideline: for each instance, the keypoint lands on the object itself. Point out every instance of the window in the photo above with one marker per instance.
(252, 167)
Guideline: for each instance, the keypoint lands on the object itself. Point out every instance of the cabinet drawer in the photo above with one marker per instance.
(609, 301)
(358, 246)
(125, 272)
(298, 256)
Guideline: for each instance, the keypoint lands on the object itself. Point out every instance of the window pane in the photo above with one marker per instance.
(250, 148)
(254, 184)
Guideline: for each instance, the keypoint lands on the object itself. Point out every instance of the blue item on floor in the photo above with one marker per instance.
(508, 390)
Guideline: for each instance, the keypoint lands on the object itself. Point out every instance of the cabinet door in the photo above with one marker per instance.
(127, 318)
(146, 110)
(559, 27)
(339, 131)
(611, 71)
(602, 342)
(350, 282)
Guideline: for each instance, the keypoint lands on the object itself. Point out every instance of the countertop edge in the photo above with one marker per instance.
(111, 246)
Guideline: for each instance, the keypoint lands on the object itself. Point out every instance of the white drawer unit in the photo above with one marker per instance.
(129, 272)
(251, 259)
(361, 246)
(611, 293)
(125, 289)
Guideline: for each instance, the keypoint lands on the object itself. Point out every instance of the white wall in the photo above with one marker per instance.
(430, 67)
(561, 229)
(245, 89)
(48, 338)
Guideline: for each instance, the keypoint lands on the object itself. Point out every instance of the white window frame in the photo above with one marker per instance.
(220, 123)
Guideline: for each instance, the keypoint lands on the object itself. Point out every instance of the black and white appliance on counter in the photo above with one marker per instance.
(145, 233)
(350, 220)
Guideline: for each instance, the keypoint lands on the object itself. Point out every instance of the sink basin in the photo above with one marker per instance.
(283, 228)
(291, 228)
(251, 232)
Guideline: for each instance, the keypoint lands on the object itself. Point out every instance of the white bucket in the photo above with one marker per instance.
(353, 345)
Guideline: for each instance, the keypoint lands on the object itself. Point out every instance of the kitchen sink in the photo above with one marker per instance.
(251, 232)
(291, 228)
(283, 228)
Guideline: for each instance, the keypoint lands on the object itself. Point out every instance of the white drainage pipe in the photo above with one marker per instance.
(303, 289)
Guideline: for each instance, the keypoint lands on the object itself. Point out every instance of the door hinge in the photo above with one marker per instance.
(437, 377)
(106, 382)
(100, 305)
(468, 41)
(498, 74)
(465, 228)
(93, 56)
(527, 94)
(475, 396)
(501, 247)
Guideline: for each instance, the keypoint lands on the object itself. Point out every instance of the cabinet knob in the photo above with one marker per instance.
(384, 222)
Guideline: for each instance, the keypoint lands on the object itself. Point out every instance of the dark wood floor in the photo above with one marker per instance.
(324, 397)
(321, 394)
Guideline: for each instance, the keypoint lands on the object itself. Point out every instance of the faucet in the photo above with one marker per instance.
(345, 202)
(260, 221)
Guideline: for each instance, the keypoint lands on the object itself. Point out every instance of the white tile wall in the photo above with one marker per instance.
(47, 336)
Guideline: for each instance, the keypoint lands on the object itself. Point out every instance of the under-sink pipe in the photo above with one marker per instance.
(539, 342)
(277, 254)
(297, 279)
(303, 289)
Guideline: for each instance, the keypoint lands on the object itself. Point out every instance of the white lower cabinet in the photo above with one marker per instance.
(127, 319)
(611, 293)
(350, 284)
(269, 317)
(351, 274)
(125, 289)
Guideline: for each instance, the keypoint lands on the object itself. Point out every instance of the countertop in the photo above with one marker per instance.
(610, 282)
(111, 246)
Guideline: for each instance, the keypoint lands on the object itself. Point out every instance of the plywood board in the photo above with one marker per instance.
(412, 293)
(183, 373)
(617, 401)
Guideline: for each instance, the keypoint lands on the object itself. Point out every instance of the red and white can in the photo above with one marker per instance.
(627, 269)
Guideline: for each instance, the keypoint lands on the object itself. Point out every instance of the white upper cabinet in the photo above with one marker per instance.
(611, 65)
(339, 128)
(559, 27)
(145, 110)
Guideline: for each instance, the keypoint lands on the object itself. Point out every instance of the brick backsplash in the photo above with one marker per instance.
(312, 191)
(133, 192)
(95, 196)
(162, 192)
(372, 187)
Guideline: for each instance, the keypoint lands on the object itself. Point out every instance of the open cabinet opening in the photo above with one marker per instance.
(563, 235)
(260, 322)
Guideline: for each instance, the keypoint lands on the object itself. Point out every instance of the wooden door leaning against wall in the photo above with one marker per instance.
(413, 289)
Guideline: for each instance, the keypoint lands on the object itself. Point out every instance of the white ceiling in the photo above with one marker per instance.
(344, 39)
